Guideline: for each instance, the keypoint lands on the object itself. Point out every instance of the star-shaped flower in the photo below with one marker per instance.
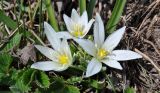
(78, 26)
(60, 55)
(102, 50)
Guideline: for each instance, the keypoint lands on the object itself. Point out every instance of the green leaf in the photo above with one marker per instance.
(13, 74)
(8, 78)
(90, 8)
(74, 80)
(5, 62)
(19, 87)
(7, 20)
(14, 41)
(129, 90)
(71, 89)
(57, 86)
(96, 84)
(28, 76)
(1, 76)
(14, 89)
(115, 17)
(37, 91)
(82, 5)
(22, 81)
(42, 80)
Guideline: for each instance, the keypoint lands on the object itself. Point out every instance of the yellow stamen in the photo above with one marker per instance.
(102, 53)
(63, 59)
(78, 30)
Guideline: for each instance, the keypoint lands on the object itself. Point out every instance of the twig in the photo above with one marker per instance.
(15, 31)
(149, 32)
(37, 37)
(149, 59)
(7, 30)
(149, 42)
(110, 82)
(12, 34)
(153, 8)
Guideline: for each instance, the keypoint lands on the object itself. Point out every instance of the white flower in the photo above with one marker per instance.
(102, 50)
(60, 55)
(78, 26)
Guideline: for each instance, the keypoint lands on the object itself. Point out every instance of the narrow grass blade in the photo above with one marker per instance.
(115, 17)
(14, 41)
(7, 21)
(51, 14)
(82, 5)
(90, 8)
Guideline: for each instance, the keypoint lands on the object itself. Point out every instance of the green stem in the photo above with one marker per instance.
(82, 5)
(116, 15)
(41, 19)
(90, 8)
(51, 14)
(110, 82)
(35, 10)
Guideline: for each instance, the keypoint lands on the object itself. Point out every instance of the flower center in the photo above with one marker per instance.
(77, 30)
(102, 53)
(63, 59)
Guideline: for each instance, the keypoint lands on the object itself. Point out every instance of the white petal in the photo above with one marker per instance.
(84, 18)
(112, 63)
(48, 28)
(48, 52)
(99, 31)
(66, 49)
(50, 33)
(113, 40)
(65, 46)
(87, 27)
(64, 34)
(68, 22)
(93, 67)
(48, 65)
(74, 15)
(87, 45)
(122, 55)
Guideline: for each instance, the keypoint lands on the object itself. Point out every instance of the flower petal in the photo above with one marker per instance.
(68, 22)
(93, 67)
(48, 52)
(48, 28)
(113, 40)
(47, 66)
(87, 45)
(98, 31)
(87, 27)
(64, 34)
(66, 49)
(112, 63)
(84, 18)
(74, 15)
(50, 33)
(122, 55)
